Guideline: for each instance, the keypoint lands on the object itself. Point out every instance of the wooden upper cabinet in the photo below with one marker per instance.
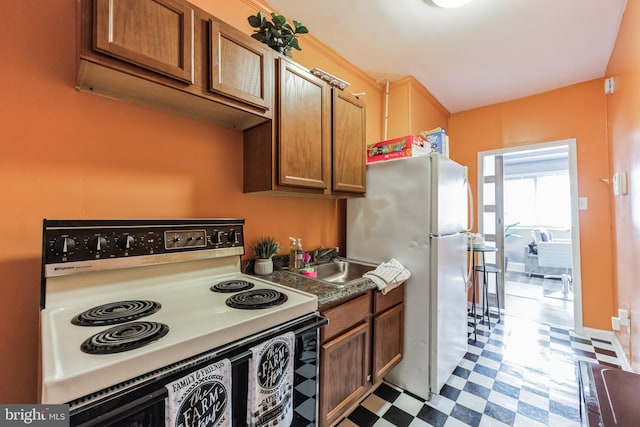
(303, 131)
(156, 35)
(314, 146)
(348, 159)
(241, 68)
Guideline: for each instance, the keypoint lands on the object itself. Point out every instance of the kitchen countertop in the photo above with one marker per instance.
(327, 294)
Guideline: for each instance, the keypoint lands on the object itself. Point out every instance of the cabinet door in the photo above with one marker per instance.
(241, 68)
(344, 372)
(388, 338)
(153, 34)
(349, 160)
(304, 109)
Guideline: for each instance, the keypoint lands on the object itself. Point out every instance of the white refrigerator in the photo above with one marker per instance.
(415, 211)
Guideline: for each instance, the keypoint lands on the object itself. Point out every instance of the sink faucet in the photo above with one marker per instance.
(321, 253)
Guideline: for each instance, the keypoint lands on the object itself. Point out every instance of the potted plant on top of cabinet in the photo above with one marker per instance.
(278, 34)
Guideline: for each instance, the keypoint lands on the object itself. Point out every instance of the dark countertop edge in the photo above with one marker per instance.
(328, 295)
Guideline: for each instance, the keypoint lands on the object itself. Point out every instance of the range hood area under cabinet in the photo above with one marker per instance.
(174, 58)
(315, 144)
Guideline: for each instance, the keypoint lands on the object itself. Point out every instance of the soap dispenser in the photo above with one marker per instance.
(293, 249)
(299, 254)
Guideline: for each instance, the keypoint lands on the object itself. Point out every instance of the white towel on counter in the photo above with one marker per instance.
(388, 275)
(270, 395)
(201, 398)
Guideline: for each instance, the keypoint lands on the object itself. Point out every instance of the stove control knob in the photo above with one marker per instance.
(232, 237)
(126, 242)
(97, 243)
(65, 245)
(216, 237)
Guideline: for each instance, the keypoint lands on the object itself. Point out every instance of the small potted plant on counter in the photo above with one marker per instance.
(265, 248)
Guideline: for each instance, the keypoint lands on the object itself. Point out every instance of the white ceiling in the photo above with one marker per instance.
(485, 52)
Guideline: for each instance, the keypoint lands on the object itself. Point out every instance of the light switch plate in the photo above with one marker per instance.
(583, 203)
(619, 183)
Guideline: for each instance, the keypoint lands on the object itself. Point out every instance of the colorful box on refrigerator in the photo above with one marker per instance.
(396, 148)
(437, 140)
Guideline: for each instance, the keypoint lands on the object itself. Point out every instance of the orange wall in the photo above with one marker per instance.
(412, 109)
(67, 154)
(623, 109)
(573, 112)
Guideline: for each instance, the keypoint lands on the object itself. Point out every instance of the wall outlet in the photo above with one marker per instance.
(615, 323)
(623, 316)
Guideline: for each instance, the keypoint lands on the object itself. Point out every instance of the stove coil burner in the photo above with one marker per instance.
(231, 286)
(256, 299)
(127, 336)
(116, 312)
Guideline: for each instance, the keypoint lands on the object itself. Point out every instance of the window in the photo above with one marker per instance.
(538, 199)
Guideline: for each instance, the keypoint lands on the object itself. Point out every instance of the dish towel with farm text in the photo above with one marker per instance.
(201, 398)
(388, 275)
(270, 395)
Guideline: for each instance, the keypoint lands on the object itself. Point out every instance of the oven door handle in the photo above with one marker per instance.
(246, 355)
(315, 325)
(151, 398)
(128, 408)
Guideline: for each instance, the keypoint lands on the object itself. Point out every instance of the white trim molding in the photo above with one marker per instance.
(613, 338)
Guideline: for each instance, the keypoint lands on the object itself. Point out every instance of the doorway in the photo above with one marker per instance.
(528, 205)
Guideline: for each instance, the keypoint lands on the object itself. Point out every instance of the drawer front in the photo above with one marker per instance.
(383, 302)
(346, 316)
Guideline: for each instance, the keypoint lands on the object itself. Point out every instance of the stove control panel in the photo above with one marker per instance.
(66, 241)
(176, 239)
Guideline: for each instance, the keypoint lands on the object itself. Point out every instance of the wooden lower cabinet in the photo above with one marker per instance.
(344, 372)
(362, 342)
(388, 333)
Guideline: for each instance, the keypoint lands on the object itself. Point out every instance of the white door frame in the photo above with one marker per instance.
(575, 216)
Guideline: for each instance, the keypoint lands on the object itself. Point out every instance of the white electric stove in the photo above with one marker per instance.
(129, 303)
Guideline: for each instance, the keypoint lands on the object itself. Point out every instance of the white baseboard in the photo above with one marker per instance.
(597, 333)
(613, 338)
(622, 355)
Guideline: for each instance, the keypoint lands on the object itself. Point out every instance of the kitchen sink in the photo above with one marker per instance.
(342, 272)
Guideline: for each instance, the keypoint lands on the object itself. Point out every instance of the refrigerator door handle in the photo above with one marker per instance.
(435, 235)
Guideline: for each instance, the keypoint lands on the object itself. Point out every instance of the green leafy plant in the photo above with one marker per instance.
(265, 247)
(508, 234)
(278, 34)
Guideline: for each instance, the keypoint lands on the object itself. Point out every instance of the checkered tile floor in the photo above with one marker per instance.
(518, 373)
(304, 402)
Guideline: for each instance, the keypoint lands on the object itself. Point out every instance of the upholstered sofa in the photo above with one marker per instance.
(554, 256)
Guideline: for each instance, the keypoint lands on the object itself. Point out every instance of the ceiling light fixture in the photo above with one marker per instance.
(449, 3)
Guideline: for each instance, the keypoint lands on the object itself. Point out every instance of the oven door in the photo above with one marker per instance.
(143, 403)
